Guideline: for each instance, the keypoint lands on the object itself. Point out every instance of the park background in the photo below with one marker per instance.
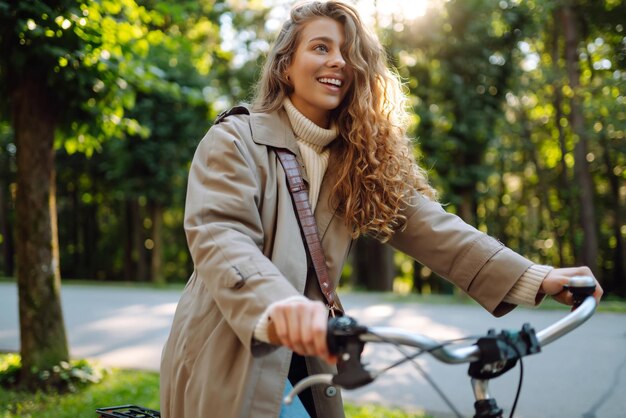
(518, 114)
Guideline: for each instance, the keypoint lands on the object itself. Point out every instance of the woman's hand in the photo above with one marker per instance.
(555, 280)
(301, 326)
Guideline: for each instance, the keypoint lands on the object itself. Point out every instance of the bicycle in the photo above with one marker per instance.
(491, 355)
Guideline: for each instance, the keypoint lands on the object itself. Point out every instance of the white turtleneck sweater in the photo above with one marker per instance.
(312, 142)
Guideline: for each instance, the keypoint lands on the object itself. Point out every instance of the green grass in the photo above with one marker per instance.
(121, 387)
(374, 411)
(117, 388)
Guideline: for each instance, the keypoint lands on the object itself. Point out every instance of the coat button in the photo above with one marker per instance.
(331, 391)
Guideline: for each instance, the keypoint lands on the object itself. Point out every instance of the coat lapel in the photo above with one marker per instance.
(274, 130)
(324, 212)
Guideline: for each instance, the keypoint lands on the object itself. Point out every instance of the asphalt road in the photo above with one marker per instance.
(581, 375)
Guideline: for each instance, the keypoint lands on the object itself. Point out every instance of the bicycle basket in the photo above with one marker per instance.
(127, 411)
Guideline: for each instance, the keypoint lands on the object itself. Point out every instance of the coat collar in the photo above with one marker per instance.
(274, 130)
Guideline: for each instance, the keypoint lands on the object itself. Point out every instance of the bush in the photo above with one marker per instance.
(63, 377)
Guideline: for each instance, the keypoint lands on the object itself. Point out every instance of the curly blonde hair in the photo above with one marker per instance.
(377, 172)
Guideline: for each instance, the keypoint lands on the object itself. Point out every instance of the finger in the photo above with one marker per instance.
(597, 294)
(294, 319)
(319, 326)
(564, 296)
(305, 329)
(277, 315)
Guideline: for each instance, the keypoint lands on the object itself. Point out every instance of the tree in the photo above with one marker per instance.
(57, 71)
(460, 64)
(373, 265)
(7, 170)
(581, 149)
(191, 75)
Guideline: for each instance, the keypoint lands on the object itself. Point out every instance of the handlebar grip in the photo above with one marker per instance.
(580, 287)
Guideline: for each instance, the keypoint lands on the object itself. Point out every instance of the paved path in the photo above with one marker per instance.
(582, 375)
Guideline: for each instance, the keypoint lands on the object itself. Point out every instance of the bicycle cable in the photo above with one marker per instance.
(521, 376)
(412, 356)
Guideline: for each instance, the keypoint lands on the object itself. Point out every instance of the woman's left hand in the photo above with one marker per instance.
(555, 280)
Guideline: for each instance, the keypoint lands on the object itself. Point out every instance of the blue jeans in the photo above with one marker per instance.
(296, 409)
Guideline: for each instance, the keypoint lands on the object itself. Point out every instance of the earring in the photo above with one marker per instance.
(287, 77)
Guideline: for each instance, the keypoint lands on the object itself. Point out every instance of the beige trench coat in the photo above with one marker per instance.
(247, 251)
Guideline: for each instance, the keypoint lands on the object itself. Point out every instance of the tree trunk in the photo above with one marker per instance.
(581, 165)
(418, 280)
(564, 234)
(139, 249)
(467, 208)
(42, 331)
(129, 265)
(135, 265)
(501, 220)
(91, 236)
(6, 230)
(374, 267)
(74, 227)
(156, 265)
(619, 252)
(565, 231)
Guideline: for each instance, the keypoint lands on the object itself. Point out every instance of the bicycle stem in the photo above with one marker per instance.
(481, 389)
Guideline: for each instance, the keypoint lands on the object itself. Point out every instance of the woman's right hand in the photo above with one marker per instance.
(301, 325)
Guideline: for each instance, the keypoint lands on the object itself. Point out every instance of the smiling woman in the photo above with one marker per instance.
(323, 153)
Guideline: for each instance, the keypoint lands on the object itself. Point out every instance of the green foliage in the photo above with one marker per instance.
(61, 378)
(179, 77)
(117, 387)
(462, 72)
(491, 96)
(70, 45)
(486, 81)
(374, 411)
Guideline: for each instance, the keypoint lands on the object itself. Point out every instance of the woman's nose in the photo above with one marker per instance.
(337, 61)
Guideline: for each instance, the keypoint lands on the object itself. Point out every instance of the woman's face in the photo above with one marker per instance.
(318, 72)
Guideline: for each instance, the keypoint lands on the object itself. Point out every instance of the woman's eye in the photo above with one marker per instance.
(321, 48)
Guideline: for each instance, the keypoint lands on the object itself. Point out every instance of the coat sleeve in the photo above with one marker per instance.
(478, 264)
(225, 233)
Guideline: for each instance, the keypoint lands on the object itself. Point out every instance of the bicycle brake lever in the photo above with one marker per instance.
(344, 340)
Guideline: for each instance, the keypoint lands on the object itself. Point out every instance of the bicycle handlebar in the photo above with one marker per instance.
(523, 343)
(472, 353)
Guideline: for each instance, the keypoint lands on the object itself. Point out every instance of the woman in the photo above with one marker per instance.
(327, 96)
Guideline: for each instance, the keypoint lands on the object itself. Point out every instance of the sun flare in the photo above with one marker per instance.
(410, 9)
(406, 9)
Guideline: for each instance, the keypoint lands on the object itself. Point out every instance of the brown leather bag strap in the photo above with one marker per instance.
(300, 197)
